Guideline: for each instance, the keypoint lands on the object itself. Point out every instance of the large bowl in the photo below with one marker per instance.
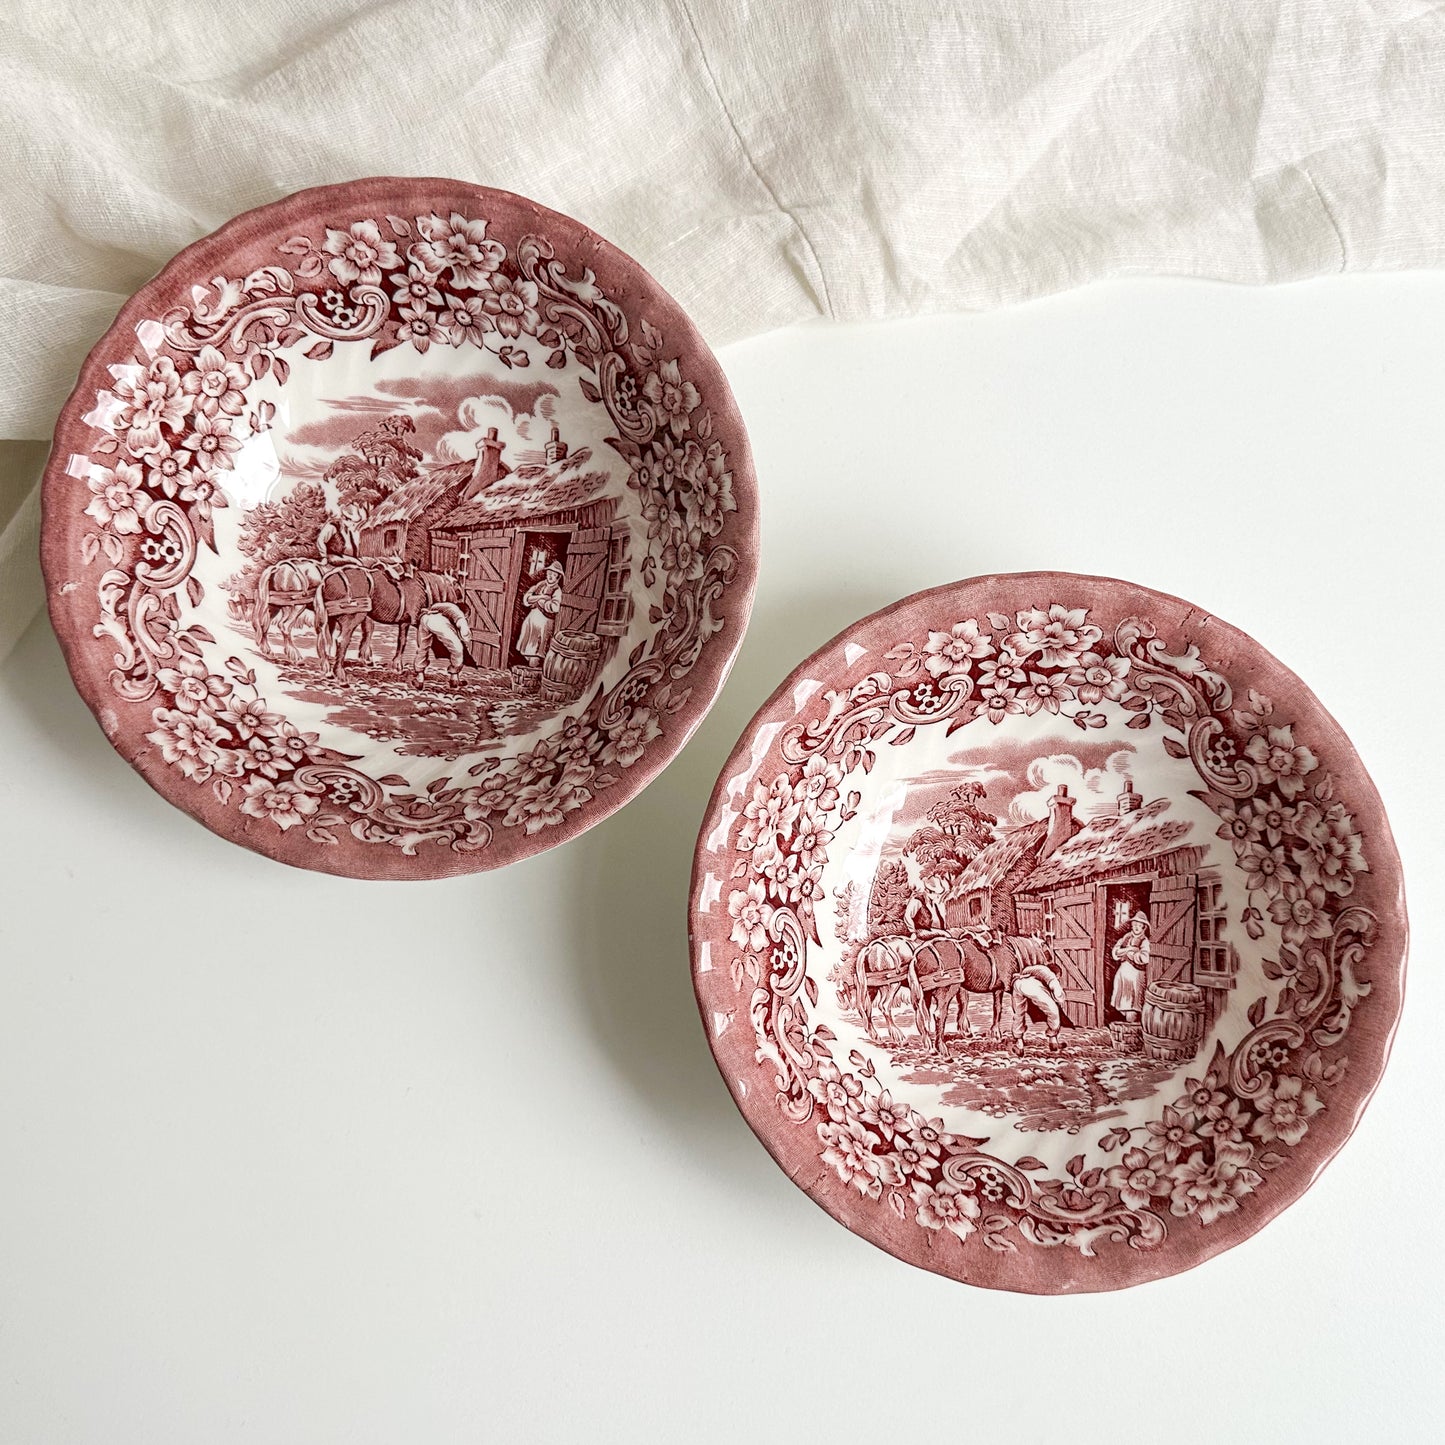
(1048, 932)
(400, 529)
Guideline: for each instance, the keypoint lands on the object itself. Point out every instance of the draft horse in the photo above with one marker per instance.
(285, 593)
(947, 968)
(353, 597)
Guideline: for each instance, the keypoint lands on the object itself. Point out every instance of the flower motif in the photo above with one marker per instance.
(714, 488)
(167, 469)
(1045, 692)
(116, 499)
(416, 288)
(750, 913)
(189, 740)
(264, 754)
(836, 1091)
(818, 784)
(671, 396)
(359, 254)
(810, 841)
(627, 740)
(682, 553)
(1285, 1110)
(1210, 1189)
(1265, 868)
(1059, 636)
(946, 1205)
(884, 1115)
(512, 304)
(1280, 759)
(1097, 677)
(285, 803)
(997, 703)
(421, 326)
(211, 440)
(848, 1149)
(460, 246)
(927, 1136)
(1226, 1124)
(216, 384)
(1139, 1177)
(162, 551)
(464, 318)
(248, 716)
(201, 491)
(1330, 852)
(770, 812)
(195, 687)
(1173, 1134)
(947, 654)
(1302, 913)
(1002, 671)
(1205, 1097)
(148, 403)
(542, 805)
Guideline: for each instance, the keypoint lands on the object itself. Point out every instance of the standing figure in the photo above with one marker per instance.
(337, 541)
(544, 598)
(1131, 953)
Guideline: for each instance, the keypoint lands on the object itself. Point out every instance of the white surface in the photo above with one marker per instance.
(289, 1158)
(767, 162)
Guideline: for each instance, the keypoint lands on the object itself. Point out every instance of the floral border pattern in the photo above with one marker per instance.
(169, 428)
(1296, 845)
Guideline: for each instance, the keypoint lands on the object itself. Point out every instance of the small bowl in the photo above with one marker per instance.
(1034, 922)
(400, 529)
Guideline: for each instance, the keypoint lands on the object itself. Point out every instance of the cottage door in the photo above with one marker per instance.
(585, 578)
(1171, 931)
(486, 565)
(1078, 929)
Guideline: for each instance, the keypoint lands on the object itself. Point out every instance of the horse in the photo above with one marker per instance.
(285, 591)
(947, 968)
(880, 975)
(354, 596)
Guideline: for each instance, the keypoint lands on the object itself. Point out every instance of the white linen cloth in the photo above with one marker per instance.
(767, 161)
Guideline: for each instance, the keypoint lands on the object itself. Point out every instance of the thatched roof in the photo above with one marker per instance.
(408, 502)
(520, 498)
(994, 863)
(1104, 844)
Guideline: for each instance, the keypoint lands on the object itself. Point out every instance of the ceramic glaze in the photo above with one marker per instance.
(1035, 923)
(399, 529)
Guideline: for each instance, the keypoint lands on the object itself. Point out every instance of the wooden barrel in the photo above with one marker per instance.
(573, 660)
(1172, 1021)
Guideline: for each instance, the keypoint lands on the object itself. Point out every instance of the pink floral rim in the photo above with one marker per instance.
(1232, 1144)
(148, 434)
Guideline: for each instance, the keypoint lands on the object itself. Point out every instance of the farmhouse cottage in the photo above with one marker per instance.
(1078, 884)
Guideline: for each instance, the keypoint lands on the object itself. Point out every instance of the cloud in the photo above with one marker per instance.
(476, 414)
(1095, 789)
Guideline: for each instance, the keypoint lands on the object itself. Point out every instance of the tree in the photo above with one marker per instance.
(890, 897)
(380, 461)
(284, 528)
(956, 832)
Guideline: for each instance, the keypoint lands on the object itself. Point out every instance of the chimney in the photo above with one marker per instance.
(1062, 825)
(556, 447)
(1129, 800)
(488, 465)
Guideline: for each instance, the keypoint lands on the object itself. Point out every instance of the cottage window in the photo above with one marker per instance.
(1214, 958)
(616, 608)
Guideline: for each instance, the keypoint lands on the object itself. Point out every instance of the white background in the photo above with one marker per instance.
(289, 1158)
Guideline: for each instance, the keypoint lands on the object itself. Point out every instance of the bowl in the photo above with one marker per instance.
(1048, 932)
(399, 529)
